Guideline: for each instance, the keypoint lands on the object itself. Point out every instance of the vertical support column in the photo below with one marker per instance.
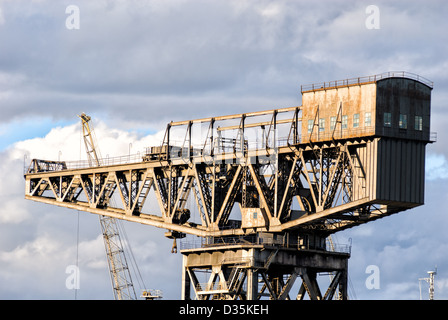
(212, 202)
(186, 282)
(168, 128)
(295, 127)
(343, 295)
(243, 119)
(190, 150)
(276, 165)
(212, 147)
(252, 284)
(252, 276)
(321, 180)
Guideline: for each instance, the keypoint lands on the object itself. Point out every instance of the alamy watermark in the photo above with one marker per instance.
(72, 282)
(373, 280)
(373, 18)
(73, 21)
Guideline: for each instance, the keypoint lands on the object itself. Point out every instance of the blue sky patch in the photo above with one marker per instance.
(24, 129)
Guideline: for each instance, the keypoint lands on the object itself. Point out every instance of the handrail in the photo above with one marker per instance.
(178, 152)
(187, 243)
(366, 79)
(38, 165)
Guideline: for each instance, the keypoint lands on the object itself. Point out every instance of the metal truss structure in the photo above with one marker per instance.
(253, 272)
(322, 177)
(267, 197)
(123, 287)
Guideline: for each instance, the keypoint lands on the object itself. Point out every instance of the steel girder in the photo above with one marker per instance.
(321, 178)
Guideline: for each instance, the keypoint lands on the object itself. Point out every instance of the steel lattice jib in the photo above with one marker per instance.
(352, 153)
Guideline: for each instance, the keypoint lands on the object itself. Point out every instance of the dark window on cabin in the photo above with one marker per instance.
(418, 123)
(403, 123)
(387, 119)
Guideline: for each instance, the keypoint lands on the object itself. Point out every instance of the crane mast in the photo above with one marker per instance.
(119, 271)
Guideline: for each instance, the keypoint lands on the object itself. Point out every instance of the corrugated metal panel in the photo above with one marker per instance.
(400, 170)
(365, 161)
(373, 151)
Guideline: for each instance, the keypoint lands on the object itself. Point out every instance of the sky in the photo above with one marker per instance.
(135, 65)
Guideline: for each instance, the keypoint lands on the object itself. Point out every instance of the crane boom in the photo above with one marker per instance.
(119, 271)
(88, 134)
(265, 210)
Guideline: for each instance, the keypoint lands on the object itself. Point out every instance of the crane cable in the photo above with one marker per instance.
(77, 258)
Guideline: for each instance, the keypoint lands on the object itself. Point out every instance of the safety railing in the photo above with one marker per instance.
(366, 79)
(382, 131)
(212, 287)
(37, 166)
(232, 147)
(151, 294)
(282, 242)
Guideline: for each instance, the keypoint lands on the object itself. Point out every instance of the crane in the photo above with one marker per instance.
(123, 287)
(255, 241)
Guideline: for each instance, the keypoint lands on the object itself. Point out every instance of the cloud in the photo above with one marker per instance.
(2, 19)
(42, 262)
(167, 53)
(436, 167)
(224, 55)
(38, 241)
(404, 246)
(136, 65)
(12, 211)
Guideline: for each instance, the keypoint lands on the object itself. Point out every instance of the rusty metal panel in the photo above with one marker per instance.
(252, 218)
(349, 105)
(338, 102)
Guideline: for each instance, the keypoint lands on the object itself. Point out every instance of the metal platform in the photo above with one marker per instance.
(248, 271)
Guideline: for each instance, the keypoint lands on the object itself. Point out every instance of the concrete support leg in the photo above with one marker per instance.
(343, 295)
(252, 285)
(186, 282)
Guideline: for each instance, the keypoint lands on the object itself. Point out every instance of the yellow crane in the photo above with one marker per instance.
(123, 287)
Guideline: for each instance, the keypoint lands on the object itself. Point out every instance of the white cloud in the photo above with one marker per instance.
(92, 253)
(40, 264)
(402, 290)
(13, 211)
(66, 144)
(39, 259)
(441, 287)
